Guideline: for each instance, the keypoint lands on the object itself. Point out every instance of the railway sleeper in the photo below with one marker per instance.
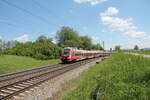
(18, 87)
(7, 91)
(27, 83)
(3, 93)
(23, 85)
(12, 88)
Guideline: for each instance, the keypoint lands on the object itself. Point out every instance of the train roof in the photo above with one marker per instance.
(88, 51)
(71, 48)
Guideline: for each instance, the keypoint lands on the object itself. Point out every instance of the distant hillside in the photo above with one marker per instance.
(140, 49)
(145, 49)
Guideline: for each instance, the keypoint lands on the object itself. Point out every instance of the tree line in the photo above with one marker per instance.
(118, 48)
(68, 37)
(43, 48)
(7, 44)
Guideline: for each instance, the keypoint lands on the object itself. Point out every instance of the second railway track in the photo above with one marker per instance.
(13, 84)
(22, 75)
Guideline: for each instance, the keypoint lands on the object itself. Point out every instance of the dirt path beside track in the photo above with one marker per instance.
(137, 54)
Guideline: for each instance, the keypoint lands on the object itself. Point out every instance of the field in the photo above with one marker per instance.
(11, 63)
(121, 77)
(142, 52)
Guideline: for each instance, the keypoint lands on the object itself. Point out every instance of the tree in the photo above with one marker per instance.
(136, 47)
(97, 47)
(71, 43)
(117, 48)
(43, 39)
(85, 42)
(65, 34)
(67, 37)
(42, 49)
(1, 44)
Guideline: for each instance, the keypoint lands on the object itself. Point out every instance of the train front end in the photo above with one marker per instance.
(65, 56)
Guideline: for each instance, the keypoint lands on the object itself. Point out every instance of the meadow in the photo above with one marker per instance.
(120, 77)
(11, 63)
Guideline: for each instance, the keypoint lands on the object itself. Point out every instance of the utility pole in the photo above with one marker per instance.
(103, 48)
(103, 45)
(111, 49)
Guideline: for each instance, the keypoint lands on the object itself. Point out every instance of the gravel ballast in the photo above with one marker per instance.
(50, 88)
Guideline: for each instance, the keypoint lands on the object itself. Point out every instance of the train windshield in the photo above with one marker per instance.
(66, 51)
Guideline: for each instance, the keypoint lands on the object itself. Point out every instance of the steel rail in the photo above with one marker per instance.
(5, 77)
(15, 88)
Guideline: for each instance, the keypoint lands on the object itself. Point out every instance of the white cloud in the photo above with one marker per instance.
(141, 42)
(54, 40)
(110, 11)
(1, 37)
(95, 38)
(22, 38)
(53, 33)
(95, 2)
(117, 24)
(92, 2)
(133, 33)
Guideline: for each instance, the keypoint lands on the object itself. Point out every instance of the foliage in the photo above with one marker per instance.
(97, 47)
(121, 77)
(65, 34)
(71, 43)
(136, 47)
(67, 37)
(11, 63)
(42, 48)
(85, 43)
(117, 48)
(7, 44)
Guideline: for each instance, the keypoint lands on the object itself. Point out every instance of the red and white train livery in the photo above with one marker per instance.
(74, 54)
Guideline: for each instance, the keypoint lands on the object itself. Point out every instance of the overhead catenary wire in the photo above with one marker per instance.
(41, 6)
(27, 11)
(8, 23)
(45, 9)
(11, 24)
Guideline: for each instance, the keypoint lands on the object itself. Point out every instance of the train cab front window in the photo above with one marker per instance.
(66, 51)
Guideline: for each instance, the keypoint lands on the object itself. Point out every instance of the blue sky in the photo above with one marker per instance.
(117, 22)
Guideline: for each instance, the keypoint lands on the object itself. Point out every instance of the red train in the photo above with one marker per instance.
(73, 54)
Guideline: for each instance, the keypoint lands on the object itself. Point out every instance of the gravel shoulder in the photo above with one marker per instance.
(50, 89)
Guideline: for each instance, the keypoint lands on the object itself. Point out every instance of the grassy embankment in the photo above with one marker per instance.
(121, 77)
(142, 52)
(11, 63)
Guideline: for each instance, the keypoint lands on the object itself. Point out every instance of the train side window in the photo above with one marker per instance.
(73, 53)
(77, 53)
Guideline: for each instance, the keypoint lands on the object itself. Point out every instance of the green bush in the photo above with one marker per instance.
(42, 49)
(121, 77)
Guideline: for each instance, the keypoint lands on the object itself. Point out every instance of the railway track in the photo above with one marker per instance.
(22, 75)
(15, 83)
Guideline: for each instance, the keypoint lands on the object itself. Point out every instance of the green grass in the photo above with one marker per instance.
(11, 63)
(142, 52)
(121, 77)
